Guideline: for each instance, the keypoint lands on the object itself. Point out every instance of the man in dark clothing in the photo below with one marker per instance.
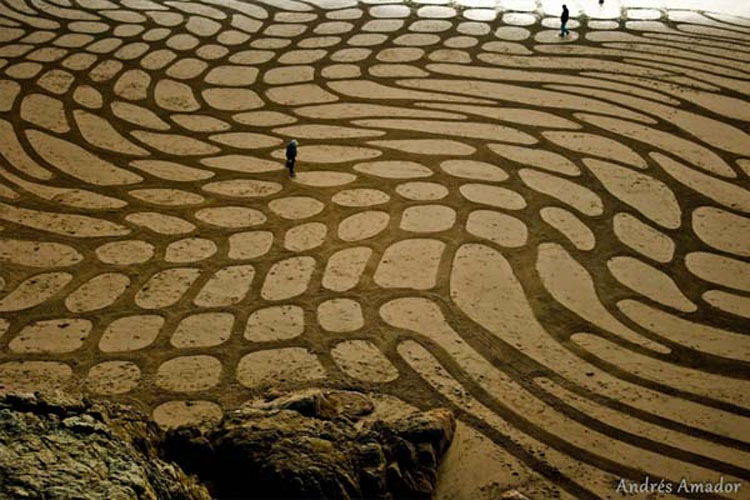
(291, 156)
(564, 20)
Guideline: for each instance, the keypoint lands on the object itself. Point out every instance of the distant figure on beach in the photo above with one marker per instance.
(564, 20)
(601, 2)
(291, 156)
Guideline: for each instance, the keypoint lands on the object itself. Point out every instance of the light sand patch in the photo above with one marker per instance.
(252, 57)
(362, 360)
(436, 12)
(512, 33)
(189, 373)
(445, 147)
(569, 226)
(125, 253)
(362, 197)
(363, 225)
(228, 286)
(723, 192)
(38, 253)
(427, 219)
(279, 366)
(389, 11)
(203, 330)
(174, 144)
(350, 55)
(324, 178)
(394, 169)
(166, 288)
(592, 144)
(493, 195)
(305, 237)
(113, 377)
(340, 71)
(270, 43)
(574, 195)
(29, 376)
(34, 291)
(55, 81)
(480, 14)
(131, 333)
(243, 188)
(537, 158)
(45, 112)
(28, 70)
(289, 74)
(501, 229)
(296, 207)
(345, 267)
(9, 90)
(298, 95)
(288, 278)
(232, 76)
(158, 59)
(461, 42)
(649, 282)
(211, 52)
(422, 191)
(333, 28)
(105, 70)
(189, 250)
(250, 244)
(230, 99)
(430, 26)
(173, 414)
(99, 292)
(88, 97)
(201, 26)
(231, 217)
(643, 238)
(156, 34)
(187, 68)
(722, 230)
(71, 225)
(167, 197)
(328, 132)
(340, 315)
(476, 170)
(51, 336)
(12, 150)
(725, 271)
(649, 196)
(175, 96)
(160, 223)
(330, 154)
(728, 302)
(449, 56)
(182, 42)
(138, 115)
(133, 85)
(263, 118)
(131, 50)
(245, 140)
(275, 323)
(200, 123)
(410, 264)
(319, 42)
(239, 163)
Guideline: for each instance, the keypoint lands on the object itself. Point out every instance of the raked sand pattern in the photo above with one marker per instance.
(549, 236)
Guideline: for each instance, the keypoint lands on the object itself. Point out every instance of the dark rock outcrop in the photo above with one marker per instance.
(314, 444)
(61, 447)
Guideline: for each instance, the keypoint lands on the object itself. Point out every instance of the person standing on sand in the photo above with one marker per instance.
(564, 20)
(291, 156)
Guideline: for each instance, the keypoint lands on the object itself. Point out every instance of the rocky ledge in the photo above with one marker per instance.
(312, 444)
